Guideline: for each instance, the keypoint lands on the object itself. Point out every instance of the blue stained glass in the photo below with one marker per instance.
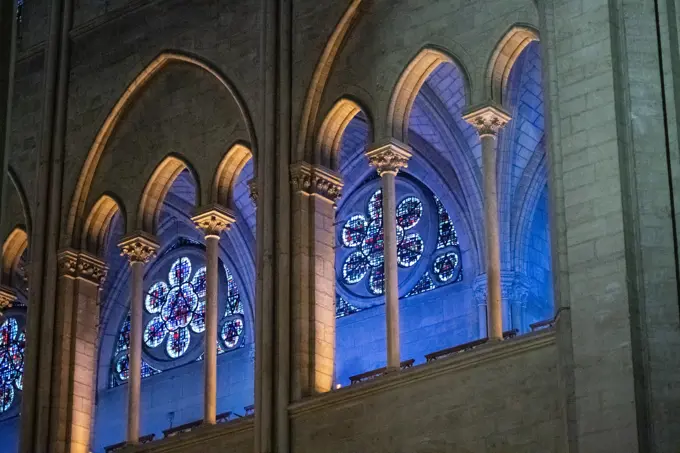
(445, 266)
(354, 231)
(424, 284)
(376, 281)
(355, 268)
(232, 331)
(410, 250)
(372, 246)
(178, 342)
(344, 308)
(446, 231)
(179, 310)
(12, 346)
(409, 212)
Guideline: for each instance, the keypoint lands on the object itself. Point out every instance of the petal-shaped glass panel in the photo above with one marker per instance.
(198, 322)
(373, 245)
(375, 205)
(6, 397)
(376, 281)
(354, 231)
(410, 250)
(6, 373)
(199, 282)
(155, 297)
(180, 271)
(178, 309)
(123, 367)
(445, 266)
(154, 333)
(8, 331)
(409, 212)
(178, 342)
(232, 330)
(355, 267)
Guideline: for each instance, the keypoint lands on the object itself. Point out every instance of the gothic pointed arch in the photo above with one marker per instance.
(21, 194)
(12, 249)
(98, 223)
(409, 85)
(321, 73)
(227, 174)
(157, 188)
(332, 130)
(503, 58)
(76, 212)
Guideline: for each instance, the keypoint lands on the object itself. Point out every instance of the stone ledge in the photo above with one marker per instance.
(199, 435)
(488, 352)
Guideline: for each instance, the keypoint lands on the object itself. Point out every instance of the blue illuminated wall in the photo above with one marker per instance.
(447, 159)
(175, 396)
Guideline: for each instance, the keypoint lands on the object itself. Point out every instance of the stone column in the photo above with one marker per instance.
(488, 120)
(315, 190)
(212, 221)
(138, 247)
(81, 276)
(388, 158)
(479, 288)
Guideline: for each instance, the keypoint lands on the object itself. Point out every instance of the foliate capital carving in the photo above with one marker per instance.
(213, 220)
(91, 269)
(315, 179)
(488, 119)
(7, 297)
(252, 188)
(479, 288)
(138, 247)
(389, 157)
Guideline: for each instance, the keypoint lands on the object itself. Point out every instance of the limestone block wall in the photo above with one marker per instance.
(494, 399)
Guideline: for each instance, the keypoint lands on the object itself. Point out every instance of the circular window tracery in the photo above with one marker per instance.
(427, 244)
(175, 309)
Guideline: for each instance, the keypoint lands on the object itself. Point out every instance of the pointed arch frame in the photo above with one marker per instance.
(227, 174)
(12, 249)
(503, 58)
(99, 221)
(74, 222)
(333, 128)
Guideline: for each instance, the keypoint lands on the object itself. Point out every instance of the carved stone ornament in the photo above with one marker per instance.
(389, 157)
(315, 179)
(214, 220)
(252, 188)
(488, 120)
(7, 297)
(479, 289)
(91, 269)
(67, 261)
(138, 247)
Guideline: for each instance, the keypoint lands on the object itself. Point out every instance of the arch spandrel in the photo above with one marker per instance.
(177, 104)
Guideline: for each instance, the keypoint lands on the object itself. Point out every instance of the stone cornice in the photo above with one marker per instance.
(389, 157)
(213, 220)
(490, 352)
(316, 180)
(7, 297)
(77, 264)
(487, 119)
(138, 247)
(91, 269)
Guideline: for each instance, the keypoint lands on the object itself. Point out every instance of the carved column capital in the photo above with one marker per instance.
(7, 297)
(488, 119)
(138, 247)
(252, 189)
(316, 180)
(213, 220)
(389, 157)
(479, 288)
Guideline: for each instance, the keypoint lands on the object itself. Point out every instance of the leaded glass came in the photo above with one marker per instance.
(176, 319)
(12, 348)
(427, 243)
